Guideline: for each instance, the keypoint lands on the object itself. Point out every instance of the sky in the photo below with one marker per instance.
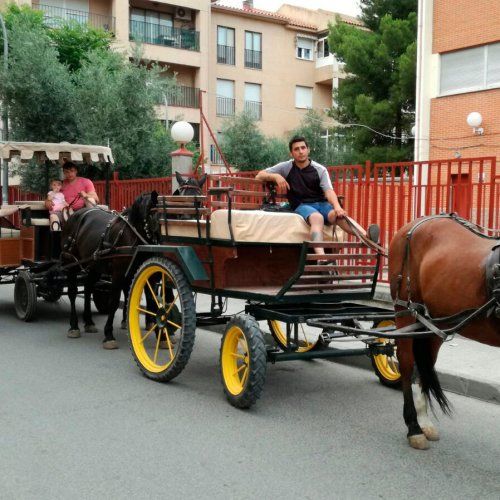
(349, 7)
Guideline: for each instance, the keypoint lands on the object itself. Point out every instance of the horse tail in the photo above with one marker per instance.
(428, 376)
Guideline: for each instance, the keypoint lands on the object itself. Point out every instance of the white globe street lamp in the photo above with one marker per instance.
(182, 133)
(475, 120)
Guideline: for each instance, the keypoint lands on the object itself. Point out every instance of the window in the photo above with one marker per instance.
(151, 17)
(253, 100)
(253, 50)
(225, 45)
(303, 97)
(323, 50)
(225, 97)
(305, 47)
(470, 69)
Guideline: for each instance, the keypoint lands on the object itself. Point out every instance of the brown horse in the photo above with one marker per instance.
(452, 268)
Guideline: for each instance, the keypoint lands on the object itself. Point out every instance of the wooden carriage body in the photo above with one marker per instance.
(264, 255)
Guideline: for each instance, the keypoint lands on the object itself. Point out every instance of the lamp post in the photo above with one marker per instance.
(5, 119)
(182, 159)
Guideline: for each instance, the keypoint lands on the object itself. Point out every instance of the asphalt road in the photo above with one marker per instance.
(80, 422)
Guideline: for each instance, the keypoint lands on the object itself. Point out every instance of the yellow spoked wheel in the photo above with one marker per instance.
(161, 319)
(307, 341)
(243, 360)
(386, 367)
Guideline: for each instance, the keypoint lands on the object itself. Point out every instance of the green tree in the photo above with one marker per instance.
(83, 93)
(36, 88)
(246, 147)
(115, 103)
(75, 41)
(334, 150)
(379, 92)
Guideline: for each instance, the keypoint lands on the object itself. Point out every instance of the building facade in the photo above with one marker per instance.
(273, 65)
(458, 73)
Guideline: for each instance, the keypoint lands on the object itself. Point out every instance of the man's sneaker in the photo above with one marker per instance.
(373, 233)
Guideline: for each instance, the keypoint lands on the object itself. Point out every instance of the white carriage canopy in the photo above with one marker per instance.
(62, 151)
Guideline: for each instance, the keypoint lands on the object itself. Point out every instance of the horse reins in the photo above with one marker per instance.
(420, 312)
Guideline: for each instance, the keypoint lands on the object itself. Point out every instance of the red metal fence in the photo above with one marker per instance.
(390, 194)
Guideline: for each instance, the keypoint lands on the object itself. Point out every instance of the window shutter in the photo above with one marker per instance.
(462, 70)
(303, 97)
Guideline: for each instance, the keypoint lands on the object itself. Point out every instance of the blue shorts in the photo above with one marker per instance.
(306, 209)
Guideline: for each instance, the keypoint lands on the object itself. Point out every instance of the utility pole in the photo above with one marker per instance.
(5, 118)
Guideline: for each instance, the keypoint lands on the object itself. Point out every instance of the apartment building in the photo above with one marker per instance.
(274, 65)
(458, 73)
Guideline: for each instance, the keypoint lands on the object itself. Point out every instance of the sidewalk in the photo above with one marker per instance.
(464, 366)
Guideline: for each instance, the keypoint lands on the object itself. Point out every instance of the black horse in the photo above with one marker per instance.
(90, 239)
(189, 186)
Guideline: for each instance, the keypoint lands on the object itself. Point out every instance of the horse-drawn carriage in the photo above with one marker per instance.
(221, 244)
(29, 250)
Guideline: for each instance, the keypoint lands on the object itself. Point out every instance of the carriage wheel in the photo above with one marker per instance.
(243, 360)
(161, 319)
(101, 300)
(307, 342)
(386, 367)
(25, 296)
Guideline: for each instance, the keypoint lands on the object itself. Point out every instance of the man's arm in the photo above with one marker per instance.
(331, 197)
(274, 174)
(89, 191)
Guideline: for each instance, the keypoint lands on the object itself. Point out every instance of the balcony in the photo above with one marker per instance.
(184, 97)
(167, 36)
(254, 109)
(225, 54)
(225, 106)
(253, 59)
(54, 17)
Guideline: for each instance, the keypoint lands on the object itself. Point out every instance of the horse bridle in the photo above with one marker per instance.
(421, 313)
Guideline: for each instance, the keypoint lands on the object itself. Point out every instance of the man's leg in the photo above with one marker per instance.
(373, 232)
(316, 221)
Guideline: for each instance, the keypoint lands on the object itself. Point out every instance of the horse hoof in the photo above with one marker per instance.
(419, 442)
(164, 344)
(74, 334)
(110, 344)
(431, 433)
(123, 325)
(91, 329)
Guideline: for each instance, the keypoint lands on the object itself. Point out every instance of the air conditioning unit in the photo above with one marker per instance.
(183, 13)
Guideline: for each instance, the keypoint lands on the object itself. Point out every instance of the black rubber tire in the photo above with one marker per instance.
(257, 355)
(25, 296)
(188, 314)
(100, 298)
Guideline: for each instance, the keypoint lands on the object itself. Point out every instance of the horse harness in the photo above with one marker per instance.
(104, 247)
(458, 321)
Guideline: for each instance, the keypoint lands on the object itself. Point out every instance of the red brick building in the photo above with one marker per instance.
(458, 73)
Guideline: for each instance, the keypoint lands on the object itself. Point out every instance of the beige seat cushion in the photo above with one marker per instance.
(265, 227)
(256, 226)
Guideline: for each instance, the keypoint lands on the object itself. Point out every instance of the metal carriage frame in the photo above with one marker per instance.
(306, 290)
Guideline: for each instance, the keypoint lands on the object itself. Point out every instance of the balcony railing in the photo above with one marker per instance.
(225, 106)
(56, 16)
(167, 36)
(253, 59)
(184, 97)
(225, 54)
(254, 109)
